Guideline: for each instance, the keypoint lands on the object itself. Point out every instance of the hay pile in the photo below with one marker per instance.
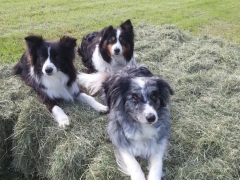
(11, 96)
(203, 71)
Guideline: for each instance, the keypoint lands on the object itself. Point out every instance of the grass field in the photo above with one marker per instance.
(56, 18)
(203, 70)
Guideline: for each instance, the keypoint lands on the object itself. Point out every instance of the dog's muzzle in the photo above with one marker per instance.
(49, 70)
(117, 51)
(151, 118)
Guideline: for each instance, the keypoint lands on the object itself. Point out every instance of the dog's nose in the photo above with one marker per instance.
(49, 70)
(150, 118)
(116, 51)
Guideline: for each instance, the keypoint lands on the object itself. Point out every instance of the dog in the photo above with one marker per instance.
(48, 68)
(139, 122)
(106, 52)
(109, 50)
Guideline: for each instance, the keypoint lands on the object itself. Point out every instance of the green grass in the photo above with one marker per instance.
(53, 19)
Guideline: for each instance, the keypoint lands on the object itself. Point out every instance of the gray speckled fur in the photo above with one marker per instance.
(128, 129)
(121, 123)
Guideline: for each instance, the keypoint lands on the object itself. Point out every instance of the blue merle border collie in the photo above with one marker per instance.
(106, 51)
(48, 68)
(139, 122)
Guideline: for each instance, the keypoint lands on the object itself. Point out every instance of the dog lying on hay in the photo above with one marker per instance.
(48, 68)
(139, 122)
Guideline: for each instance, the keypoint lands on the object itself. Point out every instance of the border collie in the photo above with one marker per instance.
(106, 51)
(48, 67)
(139, 123)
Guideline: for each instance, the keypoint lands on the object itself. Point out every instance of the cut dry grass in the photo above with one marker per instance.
(11, 95)
(205, 133)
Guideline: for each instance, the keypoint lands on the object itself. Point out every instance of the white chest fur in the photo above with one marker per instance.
(146, 132)
(56, 85)
(143, 141)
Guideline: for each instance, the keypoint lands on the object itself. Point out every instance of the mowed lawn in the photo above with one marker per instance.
(170, 39)
(53, 19)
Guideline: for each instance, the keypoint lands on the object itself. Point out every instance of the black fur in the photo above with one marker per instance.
(102, 39)
(63, 55)
(86, 49)
(105, 34)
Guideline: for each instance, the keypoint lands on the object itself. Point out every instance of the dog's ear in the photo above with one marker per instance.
(105, 31)
(164, 90)
(68, 42)
(67, 54)
(103, 44)
(33, 43)
(67, 48)
(115, 89)
(127, 26)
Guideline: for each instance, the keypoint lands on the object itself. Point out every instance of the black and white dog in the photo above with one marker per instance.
(139, 123)
(106, 51)
(48, 67)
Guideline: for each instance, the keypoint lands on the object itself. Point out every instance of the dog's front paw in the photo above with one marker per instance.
(63, 122)
(139, 176)
(157, 176)
(60, 117)
(103, 109)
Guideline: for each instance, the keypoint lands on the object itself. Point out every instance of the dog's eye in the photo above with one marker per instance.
(135, 97)
(121, 40)
(154, 96)
(55, 55)
(42, 58)
(112, 38)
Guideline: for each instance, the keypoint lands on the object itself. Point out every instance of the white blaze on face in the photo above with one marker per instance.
(139, 82)
(149, 110)
(48, 65)
(117, 45)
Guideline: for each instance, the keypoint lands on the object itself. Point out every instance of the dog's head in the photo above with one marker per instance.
(138, 93)
(49, 57)
(116, 42)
